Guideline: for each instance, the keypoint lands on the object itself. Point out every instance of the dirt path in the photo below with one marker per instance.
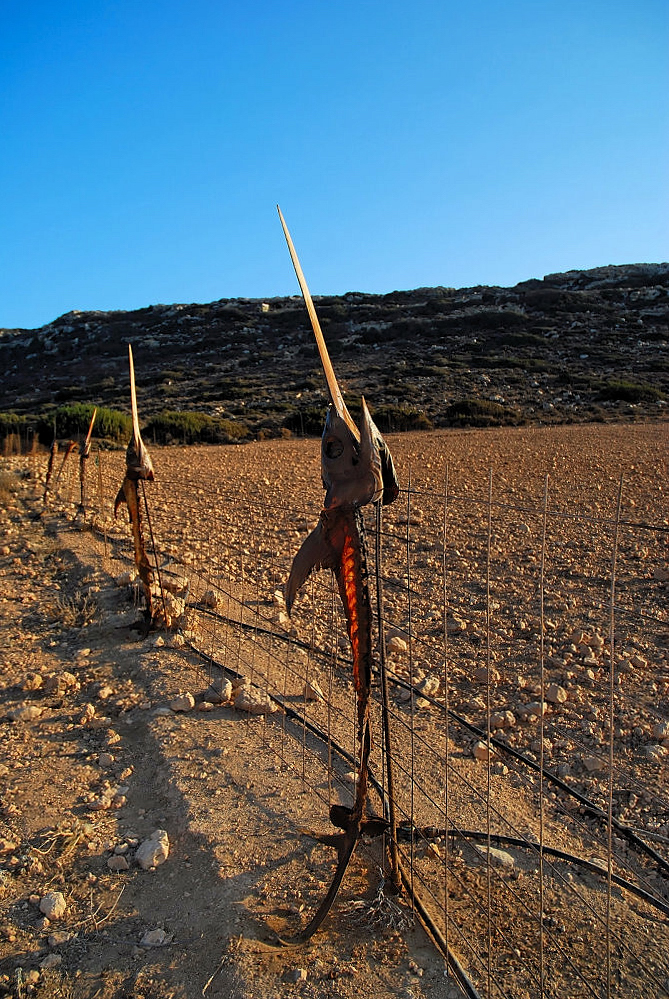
(93, 761)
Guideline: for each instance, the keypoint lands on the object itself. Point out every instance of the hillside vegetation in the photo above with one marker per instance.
(573, 347)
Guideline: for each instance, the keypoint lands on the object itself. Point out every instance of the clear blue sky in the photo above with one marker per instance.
(144, 145)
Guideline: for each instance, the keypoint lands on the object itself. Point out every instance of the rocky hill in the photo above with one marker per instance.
(576, 346)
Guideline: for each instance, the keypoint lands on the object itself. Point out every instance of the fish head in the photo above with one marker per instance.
(138, 460)
(351, 469)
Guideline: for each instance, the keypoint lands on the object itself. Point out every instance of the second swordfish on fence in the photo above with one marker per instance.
(138, 468)
(356, 468)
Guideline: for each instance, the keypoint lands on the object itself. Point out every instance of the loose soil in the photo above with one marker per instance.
(104, 762)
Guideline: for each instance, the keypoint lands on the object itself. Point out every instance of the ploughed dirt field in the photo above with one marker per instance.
(153, 844)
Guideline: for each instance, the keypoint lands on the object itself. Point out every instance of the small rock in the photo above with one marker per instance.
(429, 686)
(118, 863)
(298, 975)
(59, 937)
(661, 730)
(498, 858)
(502, 719)
(593, 764)
(154, 850)
(211, 599)
(51, 961)
(396, 644)
(254, 701)
(556, 694)
(481, 751)
(657, 754)
(313, 692)
(155, 938)
(32, 682)
(53, 905)
(218, 692)
(25, 713)
(8, 846)
(184, 702)
(205, 706)
(105, 760)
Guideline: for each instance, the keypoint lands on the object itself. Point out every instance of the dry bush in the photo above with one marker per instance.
(73, 612)
(8, 487)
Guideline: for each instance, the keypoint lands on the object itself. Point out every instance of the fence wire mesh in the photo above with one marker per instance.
(525, 624)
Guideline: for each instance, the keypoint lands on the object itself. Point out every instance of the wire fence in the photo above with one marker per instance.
(528, 711)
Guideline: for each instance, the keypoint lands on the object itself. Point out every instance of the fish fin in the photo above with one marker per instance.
(315, 553)
(120, 499)
(391, 487)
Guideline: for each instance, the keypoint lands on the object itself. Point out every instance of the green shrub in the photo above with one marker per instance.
(306, 421)
(624, 391)
(396, 418)
(187, 427)
(73, 421)
(12, 423)
(480, 413)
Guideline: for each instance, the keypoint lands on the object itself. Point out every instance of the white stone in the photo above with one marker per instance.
(498, 858)
(429, 687)
(155, 938)
(254, 701)
(154, 851)
(313, 692)
(184, 702)
(396, 644)
(53, 905)
(219, 692)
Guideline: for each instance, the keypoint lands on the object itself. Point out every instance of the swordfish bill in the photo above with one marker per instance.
(336, 397)
(84, 453)
(138, 466)
(356, 469)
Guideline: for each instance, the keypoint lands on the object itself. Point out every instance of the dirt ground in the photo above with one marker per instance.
(93, 761)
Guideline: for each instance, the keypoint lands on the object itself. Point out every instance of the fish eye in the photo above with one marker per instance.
(333, 447)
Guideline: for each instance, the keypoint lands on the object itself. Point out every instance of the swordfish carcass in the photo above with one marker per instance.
(354, 473)
(138, 467)
(356, 469)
